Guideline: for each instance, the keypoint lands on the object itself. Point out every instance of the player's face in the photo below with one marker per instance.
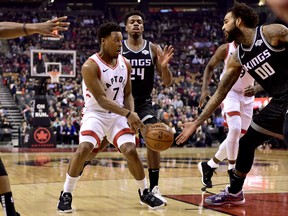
(112, 44)
(231, 31)
(135, 25)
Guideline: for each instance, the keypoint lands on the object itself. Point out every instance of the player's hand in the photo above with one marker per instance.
(135, 122)
(165, 56)
(249, 91)
(189, 129)
(203, 98)
(52, 27)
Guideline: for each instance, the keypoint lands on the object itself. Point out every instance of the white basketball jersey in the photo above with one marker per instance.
(113, 80)
(245, 79)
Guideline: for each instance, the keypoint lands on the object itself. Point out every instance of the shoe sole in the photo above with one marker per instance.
(161, 198)
(150, 207)
(202, 176)
(65, 211)
(225, 203)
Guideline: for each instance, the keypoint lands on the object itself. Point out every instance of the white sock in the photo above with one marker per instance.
(212, 164)
(70, 183)
(231, 166)
(142, 184)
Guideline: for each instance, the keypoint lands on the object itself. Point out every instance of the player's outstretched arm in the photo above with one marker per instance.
(10, 30)
(229, 78)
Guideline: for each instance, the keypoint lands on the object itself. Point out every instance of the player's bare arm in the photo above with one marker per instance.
(162, 58)
(229, 78)
(276, 34)
(12, 29)
(90, 71)
(219, 56)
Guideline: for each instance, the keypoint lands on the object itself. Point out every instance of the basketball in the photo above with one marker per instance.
(159, 137)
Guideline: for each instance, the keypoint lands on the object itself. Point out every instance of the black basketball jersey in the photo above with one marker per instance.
(266, 64)
(142, 74)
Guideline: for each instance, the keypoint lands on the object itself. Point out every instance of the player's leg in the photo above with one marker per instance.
(269, 122)
(126, 143)
(231, 112)
(147, 116)
(89, 139)
(153, 163)
(93, 154)
(6, 198)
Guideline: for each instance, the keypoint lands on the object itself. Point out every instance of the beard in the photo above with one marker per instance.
(234, 34)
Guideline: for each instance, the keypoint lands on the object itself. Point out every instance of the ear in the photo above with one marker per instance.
(102, 40)
(238, 21)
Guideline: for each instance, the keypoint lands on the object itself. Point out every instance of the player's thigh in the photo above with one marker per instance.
(120, 133)
(92, 131)
(231, 104)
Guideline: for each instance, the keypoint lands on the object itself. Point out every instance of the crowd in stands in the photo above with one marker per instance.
(194, 35)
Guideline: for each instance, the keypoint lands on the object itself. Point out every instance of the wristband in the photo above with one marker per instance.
(128, 114)
(24, 29)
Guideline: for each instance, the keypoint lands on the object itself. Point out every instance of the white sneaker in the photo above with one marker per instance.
(156, 192)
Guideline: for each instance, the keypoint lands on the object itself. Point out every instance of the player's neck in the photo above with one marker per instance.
(248, 37)
(107, 59)
(135, 41)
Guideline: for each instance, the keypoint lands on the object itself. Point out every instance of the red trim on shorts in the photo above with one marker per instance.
(123, 131)
(243, 131)
(91, 133)
(233, 113)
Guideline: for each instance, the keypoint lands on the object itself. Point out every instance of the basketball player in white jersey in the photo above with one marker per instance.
(108, 105)
(236, 108)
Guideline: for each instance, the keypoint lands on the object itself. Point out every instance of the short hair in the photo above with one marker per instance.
(132, 13)
(246, 13)
(106, 28)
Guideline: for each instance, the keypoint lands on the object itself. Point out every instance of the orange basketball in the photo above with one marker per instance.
(159, 137)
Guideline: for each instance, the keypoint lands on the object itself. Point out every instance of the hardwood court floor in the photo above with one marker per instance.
(107, 188)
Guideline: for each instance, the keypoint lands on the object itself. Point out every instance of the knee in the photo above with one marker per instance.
(234, 133)
(129, 151)
(84, 150)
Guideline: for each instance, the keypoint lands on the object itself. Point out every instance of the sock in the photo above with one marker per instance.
(231, 166)
(8, 204)
(212, 164)
(142, 184)
(70, 183)
(236, 183)
(153, 177)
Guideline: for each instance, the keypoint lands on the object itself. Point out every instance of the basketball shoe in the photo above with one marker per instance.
(224, 197)
(206, 173)
(147, 198)
(65, 202)
(156, 192)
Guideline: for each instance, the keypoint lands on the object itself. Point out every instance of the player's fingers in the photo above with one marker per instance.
(59, 19)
